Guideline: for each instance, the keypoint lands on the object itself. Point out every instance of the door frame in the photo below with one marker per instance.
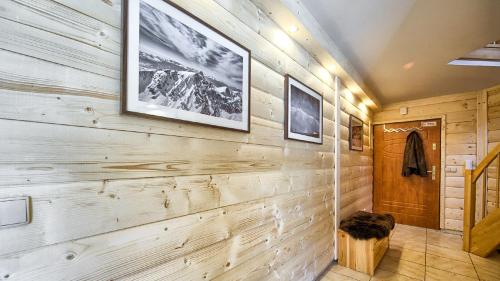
(442, 180)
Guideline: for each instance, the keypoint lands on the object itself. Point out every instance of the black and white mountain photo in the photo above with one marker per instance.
(183, 69)
(304, 113)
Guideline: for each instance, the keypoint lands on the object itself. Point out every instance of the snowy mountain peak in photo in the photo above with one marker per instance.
(178, 87)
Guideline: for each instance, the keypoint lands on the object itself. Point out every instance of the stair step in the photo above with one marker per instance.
(485, 236)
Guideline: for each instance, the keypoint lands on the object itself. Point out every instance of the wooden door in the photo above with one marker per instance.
(413, 200)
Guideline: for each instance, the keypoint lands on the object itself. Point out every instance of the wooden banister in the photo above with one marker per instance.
(471, 177)
(497, 184)
(469, 208)
(485, 163)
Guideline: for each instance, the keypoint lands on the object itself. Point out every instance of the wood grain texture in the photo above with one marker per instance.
(412, 200)
(120, 197)
(356, 168)
(492, 197)
(361, 255)
(460, 112)
(485, 236)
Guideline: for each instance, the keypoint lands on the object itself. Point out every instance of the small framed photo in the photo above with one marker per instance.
(303, 112)
(177, 67)
(355, 133)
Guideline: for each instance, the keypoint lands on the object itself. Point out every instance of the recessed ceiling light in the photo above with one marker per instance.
(409, 65)
(331, 67)
(293, 28)
(471, 62)
(348, 95)
(488, 55)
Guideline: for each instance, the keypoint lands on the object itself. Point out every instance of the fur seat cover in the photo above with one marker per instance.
(364, 225)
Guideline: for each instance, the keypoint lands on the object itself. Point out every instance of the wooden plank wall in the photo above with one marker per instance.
(460, 112)
(356, 168)
(120, 197)
(493, 140)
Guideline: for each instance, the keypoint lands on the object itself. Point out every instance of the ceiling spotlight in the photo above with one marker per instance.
(408, 66)
(293, 28)
(331, 67)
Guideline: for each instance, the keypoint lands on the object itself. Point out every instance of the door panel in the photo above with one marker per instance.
(412, 200)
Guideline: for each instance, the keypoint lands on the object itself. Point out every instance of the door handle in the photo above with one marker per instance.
(433, 172)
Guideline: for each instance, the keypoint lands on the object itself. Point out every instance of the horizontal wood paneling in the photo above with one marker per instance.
(116, 204)
(120, 197)
(228, 232)
(356, 168)
(492, 197)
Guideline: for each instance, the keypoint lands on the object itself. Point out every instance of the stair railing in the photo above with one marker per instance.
(471, 177)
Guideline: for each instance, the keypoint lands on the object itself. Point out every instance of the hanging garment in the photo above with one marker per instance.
(414, 157)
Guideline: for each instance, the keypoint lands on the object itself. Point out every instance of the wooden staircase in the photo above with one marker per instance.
(484, 237)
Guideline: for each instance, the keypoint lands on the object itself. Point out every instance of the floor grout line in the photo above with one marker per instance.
(425, 255)
(439, 241)
(474, 266)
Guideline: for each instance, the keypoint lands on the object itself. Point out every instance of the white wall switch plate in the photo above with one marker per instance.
(403, 110)
(14, 211)
(451, 170)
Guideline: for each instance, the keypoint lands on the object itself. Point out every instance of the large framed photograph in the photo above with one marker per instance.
(355, 133)
(303, 112)
(176, 66)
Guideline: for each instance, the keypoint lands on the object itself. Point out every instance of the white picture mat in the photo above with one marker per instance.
(133, 102)
(292, 135)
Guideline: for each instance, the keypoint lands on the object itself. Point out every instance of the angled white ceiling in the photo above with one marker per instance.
(380, 37)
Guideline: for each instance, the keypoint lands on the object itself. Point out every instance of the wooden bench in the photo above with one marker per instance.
(361, 255)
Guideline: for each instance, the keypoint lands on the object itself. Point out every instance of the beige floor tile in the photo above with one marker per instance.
(448, 253)
(409, 238)
(411, 231)
(411, 227)
(384, 275)
(488, 273)
(420, 254)
(454, 266)
(493, 260)
(407, 255)
(332, 276)
(401, 243)
(350, 273)
(488, 269)
(437, 274)
(406, 268)
(445, 240)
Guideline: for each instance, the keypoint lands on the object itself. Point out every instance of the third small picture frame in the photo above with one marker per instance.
(355, 133)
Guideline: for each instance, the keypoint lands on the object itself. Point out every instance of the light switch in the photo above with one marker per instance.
(451, 170)
(14, 211)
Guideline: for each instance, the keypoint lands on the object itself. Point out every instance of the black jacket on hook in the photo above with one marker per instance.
(414, 157)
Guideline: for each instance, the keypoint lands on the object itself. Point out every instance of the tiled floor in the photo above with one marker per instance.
(425, 254)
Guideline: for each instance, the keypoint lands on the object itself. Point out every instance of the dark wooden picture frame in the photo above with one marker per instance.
(131, 46)
(294, 87)
(355, 133)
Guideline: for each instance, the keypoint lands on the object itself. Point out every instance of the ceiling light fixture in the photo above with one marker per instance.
(363, 107)
(488, 56)
(408, 66)
(332, 68)
(293, 28)
(472, 62)
(349, 96)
